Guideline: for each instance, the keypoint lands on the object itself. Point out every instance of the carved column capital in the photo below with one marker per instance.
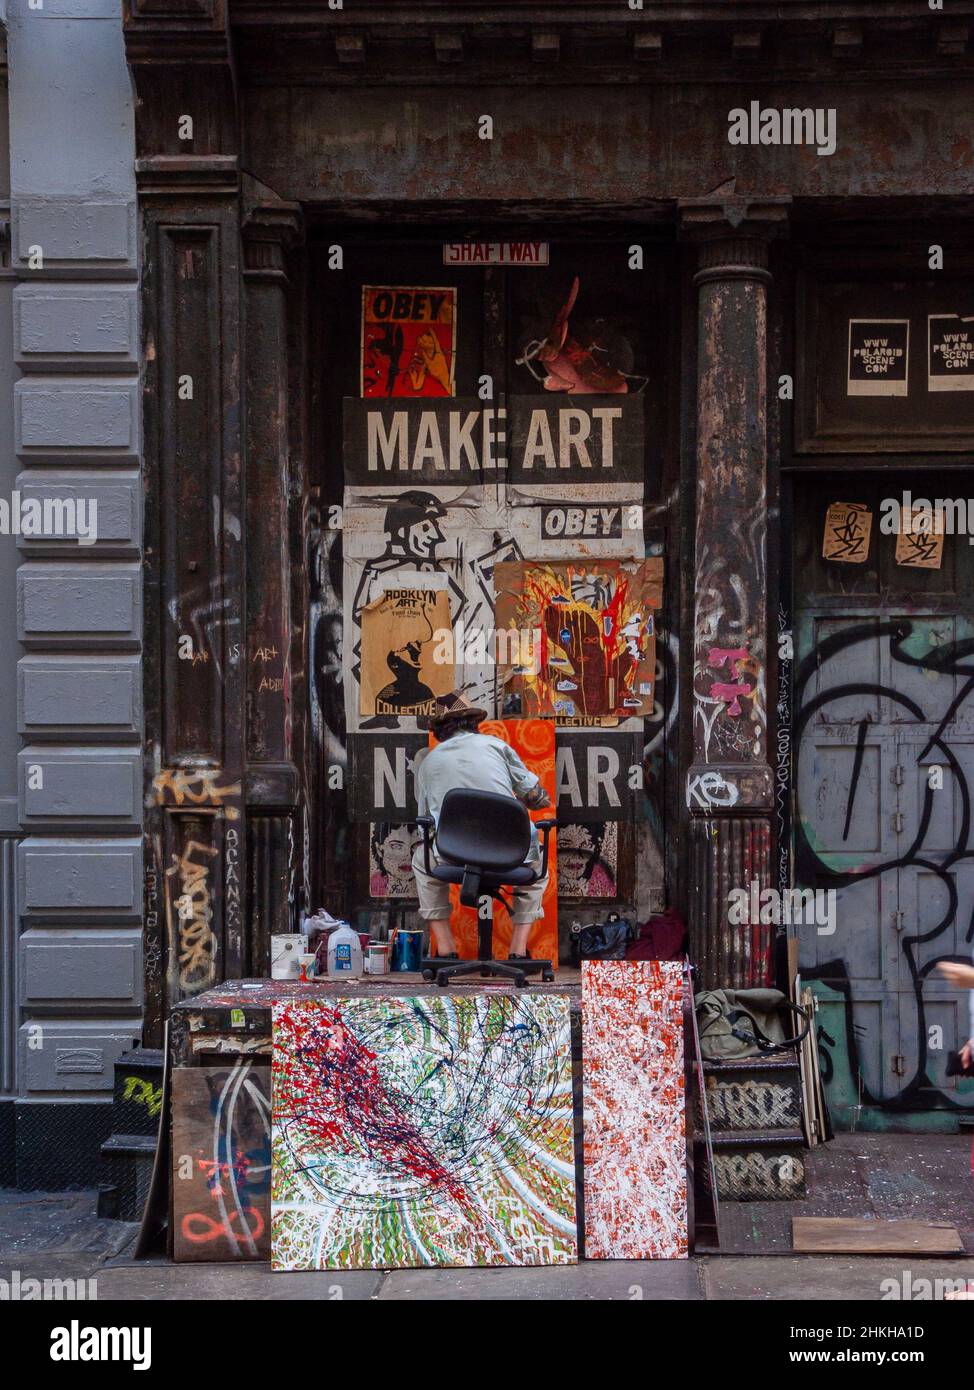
(732, 233)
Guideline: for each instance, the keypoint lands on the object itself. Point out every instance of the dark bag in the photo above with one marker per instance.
(745, 1022)
(601, 940)
(956, 1067)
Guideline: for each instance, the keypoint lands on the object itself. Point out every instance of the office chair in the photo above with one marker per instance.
(483, 839)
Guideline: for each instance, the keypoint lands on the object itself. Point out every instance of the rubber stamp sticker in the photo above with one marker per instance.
(409, 341)
(848, 526)
(920, 542)
(879, 355)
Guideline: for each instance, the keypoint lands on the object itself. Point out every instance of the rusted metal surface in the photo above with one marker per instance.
(726, 854)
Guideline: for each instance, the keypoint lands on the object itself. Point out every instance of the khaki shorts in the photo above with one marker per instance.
(434, 896)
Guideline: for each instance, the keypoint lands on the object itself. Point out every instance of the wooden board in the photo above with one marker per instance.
(221, 1155)
(839, 1235)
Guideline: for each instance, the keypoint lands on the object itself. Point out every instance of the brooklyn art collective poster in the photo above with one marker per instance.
(409, 338)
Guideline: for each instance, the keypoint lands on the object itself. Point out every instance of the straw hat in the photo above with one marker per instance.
(450, 707)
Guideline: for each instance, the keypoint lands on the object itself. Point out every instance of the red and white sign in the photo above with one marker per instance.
(495, 253)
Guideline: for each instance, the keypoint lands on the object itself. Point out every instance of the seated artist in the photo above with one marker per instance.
(475, 762)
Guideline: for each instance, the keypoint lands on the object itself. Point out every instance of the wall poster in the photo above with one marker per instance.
(848, 526)
(409, 340)
(879, 357)
(407, 658)
(597, 645)
(950, 352)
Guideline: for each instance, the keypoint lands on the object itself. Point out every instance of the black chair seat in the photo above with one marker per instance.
(483, 839)
(453, 873)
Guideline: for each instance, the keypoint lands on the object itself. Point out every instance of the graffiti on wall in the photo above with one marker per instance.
(925, 699)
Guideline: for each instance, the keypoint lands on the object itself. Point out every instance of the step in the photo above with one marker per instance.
(127, 1162)
(758, 1165)
(754, 1093)
(137, 1092)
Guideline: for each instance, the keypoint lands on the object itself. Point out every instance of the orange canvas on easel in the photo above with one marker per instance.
(534, 742)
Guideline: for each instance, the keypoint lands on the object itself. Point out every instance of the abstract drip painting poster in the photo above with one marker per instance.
(634, 1110)
(596, 635)
(422, 1131)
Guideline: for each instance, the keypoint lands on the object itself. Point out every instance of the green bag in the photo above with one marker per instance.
(737, 1023)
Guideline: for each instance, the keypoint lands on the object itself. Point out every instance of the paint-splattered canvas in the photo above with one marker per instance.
(430, 1130)
(596, 635)
(634, 1112)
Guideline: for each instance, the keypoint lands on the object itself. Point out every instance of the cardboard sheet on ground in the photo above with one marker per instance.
(221, 1154)
(635, 1179)
(406, 652)
(596, 635)
(534, 742)
(422, 1131)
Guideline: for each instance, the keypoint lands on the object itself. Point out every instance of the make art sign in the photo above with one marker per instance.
(526, 253)
(464, 440)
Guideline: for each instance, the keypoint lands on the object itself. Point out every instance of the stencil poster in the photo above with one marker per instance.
(409, 340)
(406, 652)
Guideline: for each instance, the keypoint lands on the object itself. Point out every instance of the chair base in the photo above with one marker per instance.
(433, 968)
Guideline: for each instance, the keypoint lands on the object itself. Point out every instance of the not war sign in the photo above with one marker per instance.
(598, 774)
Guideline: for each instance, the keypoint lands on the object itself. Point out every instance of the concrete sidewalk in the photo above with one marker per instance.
(924, 1177)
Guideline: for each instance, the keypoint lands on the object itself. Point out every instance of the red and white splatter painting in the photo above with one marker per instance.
(635, 1175)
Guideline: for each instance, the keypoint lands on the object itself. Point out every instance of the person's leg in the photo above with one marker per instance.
(526, 909)
(434, 904)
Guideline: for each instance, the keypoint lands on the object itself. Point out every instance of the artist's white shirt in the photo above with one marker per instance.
(475, 762)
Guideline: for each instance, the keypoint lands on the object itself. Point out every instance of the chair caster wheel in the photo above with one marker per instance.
(521, 981)
(427, 975)
(442, 979)
(548, 976)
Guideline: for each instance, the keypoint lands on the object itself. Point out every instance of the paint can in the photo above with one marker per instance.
(407, 951)
(377, 958)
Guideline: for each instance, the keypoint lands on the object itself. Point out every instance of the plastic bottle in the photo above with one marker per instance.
(344, 954)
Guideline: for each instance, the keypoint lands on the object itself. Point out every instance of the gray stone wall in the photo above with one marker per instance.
(70, 706)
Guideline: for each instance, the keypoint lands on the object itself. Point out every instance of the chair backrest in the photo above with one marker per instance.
(485, 829)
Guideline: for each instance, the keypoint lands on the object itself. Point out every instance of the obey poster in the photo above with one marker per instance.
(409, 338)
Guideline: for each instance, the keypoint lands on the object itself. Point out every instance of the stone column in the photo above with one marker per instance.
(729, 784)
(270, 228)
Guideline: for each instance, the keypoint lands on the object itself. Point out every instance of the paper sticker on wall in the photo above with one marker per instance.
(879, 356)
(408, 340)
(920, 541)
(597, 638)
(534, 742)
(405, 633)
(950, 352)
(588, 860)
(848, 526)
